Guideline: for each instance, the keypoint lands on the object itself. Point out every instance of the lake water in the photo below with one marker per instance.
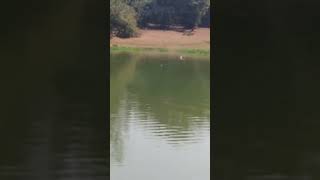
(160, 118)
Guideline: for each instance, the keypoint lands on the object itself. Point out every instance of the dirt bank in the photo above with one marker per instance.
(169, 39)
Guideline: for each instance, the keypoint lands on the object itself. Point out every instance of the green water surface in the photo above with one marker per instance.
(160, 118)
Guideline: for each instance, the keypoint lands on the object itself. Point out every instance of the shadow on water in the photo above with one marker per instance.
(266, 91)
(52, 78)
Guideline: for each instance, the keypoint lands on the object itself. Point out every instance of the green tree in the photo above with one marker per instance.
(138, 6)
(187, 13)
(160, 12)
(123, 22)
(205, 20)
(127, 15)
(191, 11)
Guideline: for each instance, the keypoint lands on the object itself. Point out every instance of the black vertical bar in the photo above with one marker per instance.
(54, 98)
(266, 90)
(107, 78)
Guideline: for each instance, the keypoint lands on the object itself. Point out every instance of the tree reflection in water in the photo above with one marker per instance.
(168, 99)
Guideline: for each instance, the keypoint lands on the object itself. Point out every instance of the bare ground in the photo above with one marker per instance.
(170, 39)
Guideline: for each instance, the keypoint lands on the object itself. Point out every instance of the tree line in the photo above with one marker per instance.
(127, 16)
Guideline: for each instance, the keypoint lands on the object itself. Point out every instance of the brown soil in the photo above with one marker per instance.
(170, 39)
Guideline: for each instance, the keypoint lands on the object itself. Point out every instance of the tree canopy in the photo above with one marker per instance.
(126, 16)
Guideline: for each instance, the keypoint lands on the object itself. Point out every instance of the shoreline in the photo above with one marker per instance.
(148, 50)
(165, 41)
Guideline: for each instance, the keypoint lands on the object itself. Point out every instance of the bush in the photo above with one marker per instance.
(123, 21)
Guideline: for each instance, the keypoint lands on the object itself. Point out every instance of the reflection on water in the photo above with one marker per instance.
(52, 120)
(159, 118)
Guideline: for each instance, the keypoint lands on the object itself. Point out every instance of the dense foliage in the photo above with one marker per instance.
(127, 15)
